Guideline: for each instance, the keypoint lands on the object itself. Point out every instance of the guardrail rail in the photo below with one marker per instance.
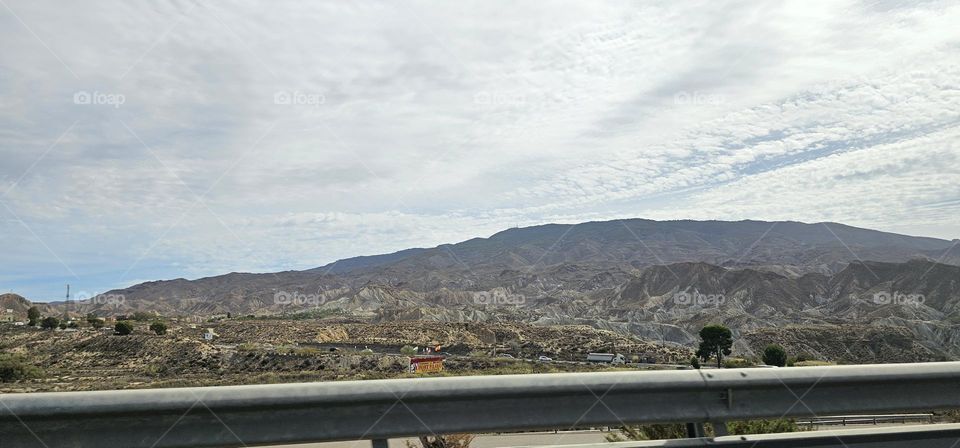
(378, 410)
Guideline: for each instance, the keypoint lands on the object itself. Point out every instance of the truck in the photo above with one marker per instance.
(608, 358)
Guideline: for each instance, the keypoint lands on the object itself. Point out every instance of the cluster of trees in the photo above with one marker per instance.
(125, 327)
(716, 342)
(35, 318)
(95, 322)
(122, 327)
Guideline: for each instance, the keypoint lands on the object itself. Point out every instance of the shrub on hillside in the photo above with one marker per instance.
(123, 327)
(762, 426)
(143, 316)
(775, 355)
(408, 350)
(306, 351)
(159, 328)
(49, 323)
(15, 368)
(649, 432)
(679, 430)
(736, 363)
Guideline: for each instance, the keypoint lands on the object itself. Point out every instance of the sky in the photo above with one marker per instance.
(148, 140)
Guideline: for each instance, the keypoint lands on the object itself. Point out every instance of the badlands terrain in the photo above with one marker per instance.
(824, 291)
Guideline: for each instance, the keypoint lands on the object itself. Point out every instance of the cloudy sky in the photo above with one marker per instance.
(144, 140)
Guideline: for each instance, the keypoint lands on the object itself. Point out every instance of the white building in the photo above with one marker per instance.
(208, 334)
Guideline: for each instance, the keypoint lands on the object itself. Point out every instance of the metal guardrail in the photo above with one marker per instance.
(927, 436)
(844, 420)
(382, 409)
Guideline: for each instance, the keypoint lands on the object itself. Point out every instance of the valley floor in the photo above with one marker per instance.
(252, 351)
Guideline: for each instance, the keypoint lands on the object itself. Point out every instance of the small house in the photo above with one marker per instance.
(208, 334)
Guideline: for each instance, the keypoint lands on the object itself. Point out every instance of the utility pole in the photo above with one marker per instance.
(66, 306)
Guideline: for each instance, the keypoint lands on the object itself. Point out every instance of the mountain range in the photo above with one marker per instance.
(655, 279)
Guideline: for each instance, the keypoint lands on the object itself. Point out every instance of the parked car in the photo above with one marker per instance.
(544, 359)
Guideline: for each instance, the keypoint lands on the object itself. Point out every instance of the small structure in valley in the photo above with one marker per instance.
(425, 364)
(209, 334)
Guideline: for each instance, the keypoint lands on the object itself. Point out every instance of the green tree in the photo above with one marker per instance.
(695, 362)
(715, 340)
(97, 323)
(159, 328)
(408, 350)
(123, 327)
(774, 355)
(33, 314)
(49, 323)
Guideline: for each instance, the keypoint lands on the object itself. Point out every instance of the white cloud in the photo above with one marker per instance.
(425, 123)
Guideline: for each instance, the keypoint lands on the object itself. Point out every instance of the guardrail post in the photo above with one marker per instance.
(719, 428)
(380, 443)
(694, 430)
